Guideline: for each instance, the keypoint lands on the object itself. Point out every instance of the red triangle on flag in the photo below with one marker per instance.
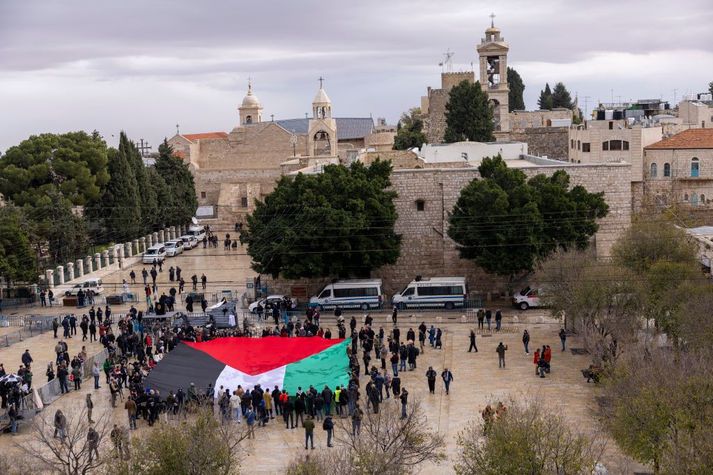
(258, 355)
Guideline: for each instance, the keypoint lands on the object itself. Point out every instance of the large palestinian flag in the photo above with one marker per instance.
(288, 363)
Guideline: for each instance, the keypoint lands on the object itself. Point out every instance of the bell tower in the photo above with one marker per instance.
(493, 55)
(250, 110)
(322, 134)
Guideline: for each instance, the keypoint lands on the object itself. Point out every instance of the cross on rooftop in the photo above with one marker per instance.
(321, 79)
(492, 20)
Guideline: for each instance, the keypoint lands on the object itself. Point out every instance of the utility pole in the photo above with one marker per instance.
(586, 103)
(144, 148)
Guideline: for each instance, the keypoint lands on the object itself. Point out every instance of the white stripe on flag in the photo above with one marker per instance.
(230, 378)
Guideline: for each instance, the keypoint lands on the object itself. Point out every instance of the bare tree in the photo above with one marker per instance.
(600, 302)
(526, 438)
(70, 454)
(386, 444)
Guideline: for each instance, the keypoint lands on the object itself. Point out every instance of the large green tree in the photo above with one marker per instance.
(516, 88)
(73, 164)
(561, 97)
(469, 115)
(507, 224)
(119, 208)
(410, 131)
(54, 224)
(336, 223)
(179, 180)
(17, 259)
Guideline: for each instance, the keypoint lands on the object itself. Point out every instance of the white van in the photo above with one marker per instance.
(197, 232)
(156, 252)
(358, 293)
(528, 297)
(95, 285)
(448, 292)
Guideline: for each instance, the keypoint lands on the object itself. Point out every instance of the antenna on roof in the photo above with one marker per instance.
(178, 132)
(447, 63)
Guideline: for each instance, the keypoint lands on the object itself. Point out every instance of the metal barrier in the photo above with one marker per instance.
(32, 325)
(50, 392)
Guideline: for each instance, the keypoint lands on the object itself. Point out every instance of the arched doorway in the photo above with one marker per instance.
(322, 144)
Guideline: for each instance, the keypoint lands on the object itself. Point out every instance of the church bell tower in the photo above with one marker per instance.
(493, 55)
(322, 134)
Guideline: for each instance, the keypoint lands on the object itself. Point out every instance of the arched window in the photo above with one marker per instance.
(249, 119)
(703, 199)
(695, 167)
(694, 199)
(654, 170)
(685, 197)
(667, 169)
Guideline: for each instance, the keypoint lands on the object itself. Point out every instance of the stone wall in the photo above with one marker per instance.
(548, 142)
(521, 120)
(426, 248)
(434, 122)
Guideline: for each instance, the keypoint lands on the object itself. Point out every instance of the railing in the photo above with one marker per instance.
(31, 325)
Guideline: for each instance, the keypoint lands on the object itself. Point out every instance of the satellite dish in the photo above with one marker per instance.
(194, 220)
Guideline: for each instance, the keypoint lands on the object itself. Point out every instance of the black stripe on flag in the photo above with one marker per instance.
(181, 367)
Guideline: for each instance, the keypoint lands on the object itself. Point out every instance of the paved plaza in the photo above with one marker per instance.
(477, 378)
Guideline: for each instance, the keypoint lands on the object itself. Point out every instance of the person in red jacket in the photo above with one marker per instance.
(536, 360)
(548, 357)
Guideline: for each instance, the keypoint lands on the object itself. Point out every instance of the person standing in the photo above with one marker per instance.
(536, 360)
(395, 315)
(130, 406)
(356, 420)
(90, 408)
(55, 327)
(308, 424)
(204, 280)
(500, 350)
(26, 358)
(526, 341)
(498, 320)
(481, 318)
(547, 355)
(563, 338)
(96, 372)
(404, 400)
(472, 346)
(93, 443)
(77, 377)
(447, 377)
(431, 377)
(488, 317)
(250, 419)
(328, 425)
(60, 425)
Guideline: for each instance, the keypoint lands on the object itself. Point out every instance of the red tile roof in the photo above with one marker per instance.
(207, 135)
(688, 139)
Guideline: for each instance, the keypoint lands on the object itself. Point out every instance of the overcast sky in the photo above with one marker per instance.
(144, 66)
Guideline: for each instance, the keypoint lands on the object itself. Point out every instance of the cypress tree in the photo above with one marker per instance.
(119, 207)
(146, 192)
(180, 183)
(469, 116)
(517, 88)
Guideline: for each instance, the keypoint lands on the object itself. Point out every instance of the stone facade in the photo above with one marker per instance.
(426, 248)
(428, 251)
(670, 177)
(520, 121)
(550, 142)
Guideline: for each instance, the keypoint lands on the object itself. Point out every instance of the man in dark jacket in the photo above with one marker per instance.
(431, 377)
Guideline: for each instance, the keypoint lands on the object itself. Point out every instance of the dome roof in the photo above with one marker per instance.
(321, 97)
(492, 30)
(251, 100)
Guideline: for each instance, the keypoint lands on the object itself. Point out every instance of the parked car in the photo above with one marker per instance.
(174, 247)
(189, 241)
(272, 300)
(157, 253)
(95, 285)
(528, 298)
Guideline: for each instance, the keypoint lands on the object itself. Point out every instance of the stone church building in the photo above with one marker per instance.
(233, 169)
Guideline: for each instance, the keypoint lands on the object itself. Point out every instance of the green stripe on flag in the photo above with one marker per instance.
(329, 367)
